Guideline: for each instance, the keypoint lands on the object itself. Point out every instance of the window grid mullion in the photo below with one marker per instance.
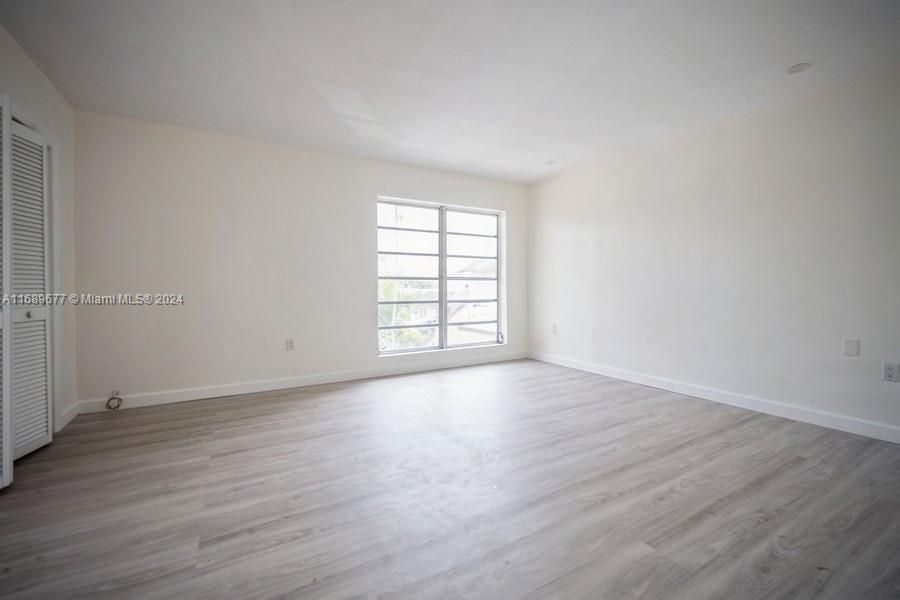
(413, 229)
(464, 278)
(473, 322)
(394, 253)
(408, 277)
(442, 273)
(475, 256)
(407, 326)
(500, 335)
(481, 235)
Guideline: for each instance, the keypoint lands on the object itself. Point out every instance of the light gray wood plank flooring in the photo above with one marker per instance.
(511, 480)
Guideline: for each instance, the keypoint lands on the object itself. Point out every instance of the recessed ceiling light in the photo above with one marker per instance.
(798, 68)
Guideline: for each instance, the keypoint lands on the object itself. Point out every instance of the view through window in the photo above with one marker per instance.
(438, 277)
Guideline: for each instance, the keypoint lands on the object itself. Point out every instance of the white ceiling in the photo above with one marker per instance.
(491, 87)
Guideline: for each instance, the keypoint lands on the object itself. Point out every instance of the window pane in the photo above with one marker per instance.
(390, 240)
(391, 340)
(463, 222)
(468, 245)
(472, 267)
(458, 335)
(471, 290)
(463, 313)
(393, 265)
(410, 217)
(405, 290)
(471, 311)
(407, 314)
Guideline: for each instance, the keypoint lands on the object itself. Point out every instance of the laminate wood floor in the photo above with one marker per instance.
(512, 480)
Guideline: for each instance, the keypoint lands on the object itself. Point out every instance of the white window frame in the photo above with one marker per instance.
(442, 277)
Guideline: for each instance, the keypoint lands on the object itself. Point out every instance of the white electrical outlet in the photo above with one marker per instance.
(890, 371)
(554, 329)
(289, 344)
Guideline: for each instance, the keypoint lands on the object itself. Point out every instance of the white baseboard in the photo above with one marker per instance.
(831, 420)
(873, 429)
(66, 416)
(232, 389)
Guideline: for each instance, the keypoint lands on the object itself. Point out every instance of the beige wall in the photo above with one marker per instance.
(737, 257)
(37, 102)
(265, 242)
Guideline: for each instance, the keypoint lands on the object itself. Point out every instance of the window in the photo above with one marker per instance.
(438, 277)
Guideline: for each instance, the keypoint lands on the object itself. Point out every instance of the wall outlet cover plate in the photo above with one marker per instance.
(851, 347)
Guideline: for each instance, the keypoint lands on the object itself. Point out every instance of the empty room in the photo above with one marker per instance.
(464, 300)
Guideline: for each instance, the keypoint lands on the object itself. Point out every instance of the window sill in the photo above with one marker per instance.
(441, 350)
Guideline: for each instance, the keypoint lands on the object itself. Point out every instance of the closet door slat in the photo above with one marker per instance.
(28, 326)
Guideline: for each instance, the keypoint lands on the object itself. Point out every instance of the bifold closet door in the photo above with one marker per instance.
(6, 451)
(29, 325)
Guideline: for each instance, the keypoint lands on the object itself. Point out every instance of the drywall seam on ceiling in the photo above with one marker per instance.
(503, 89)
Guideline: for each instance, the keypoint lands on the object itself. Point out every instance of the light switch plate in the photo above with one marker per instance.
(851, 347)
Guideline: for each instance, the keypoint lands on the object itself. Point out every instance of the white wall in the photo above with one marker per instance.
(736, 258)
(37, 102)
(265, 242)
(730, 261)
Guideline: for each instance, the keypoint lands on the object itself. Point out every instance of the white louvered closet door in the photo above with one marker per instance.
(29, 330)
(6, 451)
